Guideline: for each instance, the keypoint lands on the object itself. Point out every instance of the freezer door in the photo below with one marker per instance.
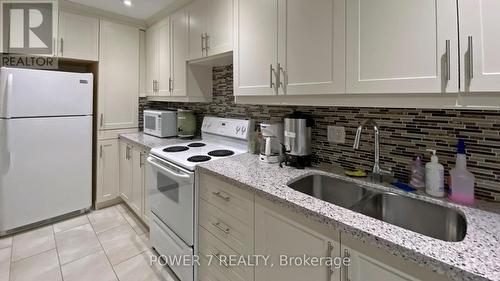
(45, 168)
(39, 93)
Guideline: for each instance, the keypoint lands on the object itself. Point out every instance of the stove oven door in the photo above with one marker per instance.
(171, 197)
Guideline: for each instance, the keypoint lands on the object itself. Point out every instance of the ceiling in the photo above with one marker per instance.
(140, 9)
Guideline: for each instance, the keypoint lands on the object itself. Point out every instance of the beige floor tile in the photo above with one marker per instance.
(145, 237)
(6, 242)
(106, 219)
(121, 243)
(32, 242)
(70, 223)
(5, 264)
(122, 208)
(139, 268)
(93, 267)
(44, 266)
(76, 243)
(135, 222)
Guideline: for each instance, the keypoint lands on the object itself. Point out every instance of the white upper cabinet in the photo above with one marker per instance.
(197, 21)
(78, 37)
(311, 46)
(402, 46)
(178, 53)
(210, 28)
(256, 42)
(158, 59)
(219, 34)
(289, 47)
(118, 93)
(480, 44)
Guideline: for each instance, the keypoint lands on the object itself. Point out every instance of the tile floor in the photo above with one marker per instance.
(105, 245)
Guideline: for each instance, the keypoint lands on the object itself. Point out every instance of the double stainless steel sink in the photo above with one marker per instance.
(426, 218)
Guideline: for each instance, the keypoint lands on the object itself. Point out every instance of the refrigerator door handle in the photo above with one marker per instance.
(7, 92)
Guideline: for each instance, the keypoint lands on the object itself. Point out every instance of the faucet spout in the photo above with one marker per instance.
(370, 122)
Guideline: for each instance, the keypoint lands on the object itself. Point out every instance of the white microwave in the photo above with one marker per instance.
(160, 123)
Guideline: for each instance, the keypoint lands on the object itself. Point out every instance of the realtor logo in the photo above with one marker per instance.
(27, 28)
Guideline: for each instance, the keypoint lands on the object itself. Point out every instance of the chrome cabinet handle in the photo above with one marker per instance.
(207, 44)
(102, 120)
(202, 43)
(283, 84)
(346, 268)
(62, 46)
(100, 151)
(170, 84)
(127, 153)
(471, 57)
(141, 160)
(448, 61)
(271, 71)
(330, 252)
(220, 195)
(217, 256)
(219, 225)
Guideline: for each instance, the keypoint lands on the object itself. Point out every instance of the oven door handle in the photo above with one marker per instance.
(184, 176)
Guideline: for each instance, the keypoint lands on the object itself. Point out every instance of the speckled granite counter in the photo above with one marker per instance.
(148, 141)
(477, 257)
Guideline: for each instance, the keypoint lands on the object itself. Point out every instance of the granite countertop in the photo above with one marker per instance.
(148, 141)
(477, 257)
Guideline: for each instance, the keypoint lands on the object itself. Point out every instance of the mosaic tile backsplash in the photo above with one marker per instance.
(404, 134)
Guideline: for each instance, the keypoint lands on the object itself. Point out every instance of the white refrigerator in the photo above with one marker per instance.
(45, 146)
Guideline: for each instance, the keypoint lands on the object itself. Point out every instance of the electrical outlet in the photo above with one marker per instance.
(336, 134)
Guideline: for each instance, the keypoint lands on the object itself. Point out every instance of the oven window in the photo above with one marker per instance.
(168, 187)
(150, 122)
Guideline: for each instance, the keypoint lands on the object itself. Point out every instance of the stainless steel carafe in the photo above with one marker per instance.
(297, 139)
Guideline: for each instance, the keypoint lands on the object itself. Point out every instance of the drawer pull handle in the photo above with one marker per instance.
(220, 195)
(217, 256)
(219, 225)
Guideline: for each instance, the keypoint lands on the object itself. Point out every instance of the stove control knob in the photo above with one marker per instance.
(238, 128)
(243, 130)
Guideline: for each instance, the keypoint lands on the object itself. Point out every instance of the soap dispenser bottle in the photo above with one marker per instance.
(461, 180)
(434, 176)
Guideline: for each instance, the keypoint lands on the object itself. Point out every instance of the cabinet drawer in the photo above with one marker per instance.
(233, 232)
(235, 201)
(210, 246)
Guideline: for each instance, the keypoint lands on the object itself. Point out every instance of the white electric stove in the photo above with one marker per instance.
(170, 180)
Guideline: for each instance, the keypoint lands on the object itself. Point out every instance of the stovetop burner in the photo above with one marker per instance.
(221, 153)
(196, 144)
(199, 158)
(176, 149)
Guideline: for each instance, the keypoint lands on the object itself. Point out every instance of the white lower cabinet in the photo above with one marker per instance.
(125, 172)
(363, 267)
(289, 239)
(132, 179)
(284, 235)
(107, 170)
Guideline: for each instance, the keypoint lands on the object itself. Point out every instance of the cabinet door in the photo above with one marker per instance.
(363, 267)
(312, 46)
(151, 60)
(178, 51)
(137, 181)
(145, 211)
(142, 63)
(220, 27)
(118, 95)
(480, 41)
(107, 170)
(163, 53)
(396, 46)
(125, 172)
(78, 37)
(197, 21)
(256, 44)
(277, 235)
